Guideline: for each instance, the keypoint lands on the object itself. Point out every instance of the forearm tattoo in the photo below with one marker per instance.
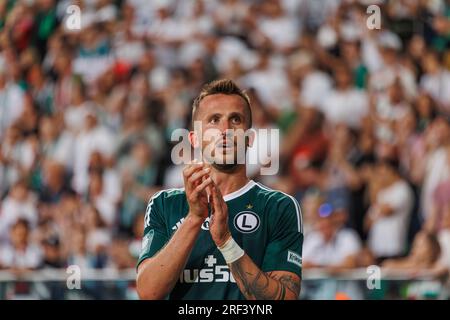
(289, 283)
(260, 286)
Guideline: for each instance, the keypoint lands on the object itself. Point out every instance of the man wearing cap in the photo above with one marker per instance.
(329, 245)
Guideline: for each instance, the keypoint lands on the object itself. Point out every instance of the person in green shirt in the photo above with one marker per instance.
(222, 236)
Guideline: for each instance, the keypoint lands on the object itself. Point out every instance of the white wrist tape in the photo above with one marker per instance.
(231, 251)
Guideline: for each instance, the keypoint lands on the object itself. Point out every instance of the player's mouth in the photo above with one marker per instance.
(225, 144)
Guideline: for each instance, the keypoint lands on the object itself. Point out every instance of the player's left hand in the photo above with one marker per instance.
(218, 225)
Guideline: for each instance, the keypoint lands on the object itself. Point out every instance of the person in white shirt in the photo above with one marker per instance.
(280, 29)
(271, 84)
(392, 68)
(329, 245)
(166, 29)
(143, 12)
(388, 218)
(229, 14)
(345, 104)
(436, 166)
(79, 107)
(104, 203)
(20, 254)
(94, 137)
(18, 155)
(11, 102)
(436, 80)
(315, 85)
(332, 249)
(444, 239)
(20, 203)
(55, 141)
(127, 46)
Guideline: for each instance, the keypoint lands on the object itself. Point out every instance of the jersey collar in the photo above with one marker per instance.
(240, 191)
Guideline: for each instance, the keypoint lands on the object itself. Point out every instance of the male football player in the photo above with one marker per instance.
(222, 236)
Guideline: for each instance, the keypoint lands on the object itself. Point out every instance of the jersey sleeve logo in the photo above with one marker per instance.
(294, 258)
(246, 221)
(147, 241)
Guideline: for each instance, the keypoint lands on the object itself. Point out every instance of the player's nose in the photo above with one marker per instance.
(224, 126)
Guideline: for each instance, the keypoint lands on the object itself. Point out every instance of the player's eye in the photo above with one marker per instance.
(236, 120)
(214, 120)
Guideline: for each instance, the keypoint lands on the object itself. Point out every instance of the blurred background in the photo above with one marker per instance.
(86, 119)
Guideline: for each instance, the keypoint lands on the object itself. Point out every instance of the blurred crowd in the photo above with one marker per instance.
(86, 118)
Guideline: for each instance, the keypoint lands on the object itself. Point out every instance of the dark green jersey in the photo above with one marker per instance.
(267, 225)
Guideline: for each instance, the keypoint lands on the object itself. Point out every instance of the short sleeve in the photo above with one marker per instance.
(155, 231)
(284, 250)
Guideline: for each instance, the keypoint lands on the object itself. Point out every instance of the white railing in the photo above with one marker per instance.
(317, 284)
(110, 274)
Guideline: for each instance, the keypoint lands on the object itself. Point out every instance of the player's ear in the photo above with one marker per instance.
(193, 139)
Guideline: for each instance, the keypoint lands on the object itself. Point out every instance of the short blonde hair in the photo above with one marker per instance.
(222, 86)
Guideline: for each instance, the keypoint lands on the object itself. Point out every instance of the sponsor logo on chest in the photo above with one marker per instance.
(205, 225)
(210, 273)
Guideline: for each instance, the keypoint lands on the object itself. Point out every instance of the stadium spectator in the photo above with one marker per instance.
(20, 203)
(329, 245)
(138, 175)
(444, 239)
(424, 257)
(389, 215)
(436, 80)
(345, 104)
(434, 167)
(20, 254)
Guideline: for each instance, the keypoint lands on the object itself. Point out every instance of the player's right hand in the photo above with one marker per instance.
(196, 180)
